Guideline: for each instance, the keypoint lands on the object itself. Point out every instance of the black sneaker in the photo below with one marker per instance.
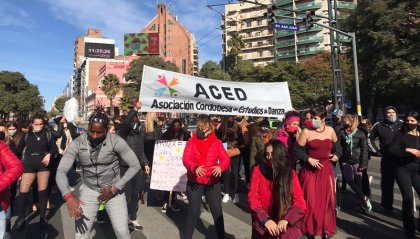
(21, 224)
(43, 223)
(165, 207)
(100, 218)
(174, 208)
(8, 226)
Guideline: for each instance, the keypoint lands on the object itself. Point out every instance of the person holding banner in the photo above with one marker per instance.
(275, 196)
(130, 131)
(205, 159)
(175, 132)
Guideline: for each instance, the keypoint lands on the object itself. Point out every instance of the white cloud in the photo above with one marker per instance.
(12, 16)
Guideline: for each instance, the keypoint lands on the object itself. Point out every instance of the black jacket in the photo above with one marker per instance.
(385, 131)
(398, 147)
(134, 139)
(358, 154)
(184, 135)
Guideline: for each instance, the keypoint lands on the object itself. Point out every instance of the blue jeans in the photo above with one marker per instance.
(2, 222)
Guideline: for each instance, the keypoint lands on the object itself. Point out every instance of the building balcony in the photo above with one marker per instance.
(260, 57)
(254, 26)
(265, 45)
(282, 2)
(301, 52)
(252, 15)
(344, 39)
(256, 36)
(300, 41)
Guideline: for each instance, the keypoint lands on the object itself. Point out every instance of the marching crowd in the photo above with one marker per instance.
(290, 172)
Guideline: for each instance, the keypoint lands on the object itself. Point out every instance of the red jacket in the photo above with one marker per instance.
(209, 152)
(260, 203)
(10, 170)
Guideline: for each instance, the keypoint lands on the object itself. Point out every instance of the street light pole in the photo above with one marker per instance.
(356, 74)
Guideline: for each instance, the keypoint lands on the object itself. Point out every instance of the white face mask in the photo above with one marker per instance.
(316, 124)
(12, 132)
(37, 130)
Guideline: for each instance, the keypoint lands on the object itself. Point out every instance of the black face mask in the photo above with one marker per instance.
(117, 126)
(346, 126)
(411, 127)
(201, 134)
(95, 142)
(238, 120)
(2, 135)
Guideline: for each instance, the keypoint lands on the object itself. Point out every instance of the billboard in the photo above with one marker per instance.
(99, 50)
(141, 43)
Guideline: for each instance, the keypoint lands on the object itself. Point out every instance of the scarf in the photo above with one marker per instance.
(203, 146)
(349, 140)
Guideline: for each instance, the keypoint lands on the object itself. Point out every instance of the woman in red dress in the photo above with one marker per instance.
(275, 196)
(317, 177)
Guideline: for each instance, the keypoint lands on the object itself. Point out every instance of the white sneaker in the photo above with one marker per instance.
(226, 198)
(236, 198)
(135, 225)
(370, 180)
(203, 199)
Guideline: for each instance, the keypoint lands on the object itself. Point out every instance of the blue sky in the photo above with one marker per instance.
(37, 36)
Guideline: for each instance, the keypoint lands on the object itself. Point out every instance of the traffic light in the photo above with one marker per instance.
(270, 14)
(309, 20)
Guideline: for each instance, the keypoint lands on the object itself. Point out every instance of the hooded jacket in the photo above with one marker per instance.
(385, 132)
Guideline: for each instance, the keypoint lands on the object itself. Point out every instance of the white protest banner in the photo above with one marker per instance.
(168, 172)
(167, 91)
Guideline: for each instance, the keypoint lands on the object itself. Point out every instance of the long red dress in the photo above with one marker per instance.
(319, 191)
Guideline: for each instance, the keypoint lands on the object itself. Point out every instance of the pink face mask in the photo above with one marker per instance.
(292, 129)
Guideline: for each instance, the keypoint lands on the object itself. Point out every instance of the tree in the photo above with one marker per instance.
(130, 91)
(135, 72)
(388, 40)
(212, 70)
(18, 95)
(235, 43)
(59, 103)
(110, 87)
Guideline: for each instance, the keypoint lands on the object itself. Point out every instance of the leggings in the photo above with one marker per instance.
(353, 178)
(212, 193)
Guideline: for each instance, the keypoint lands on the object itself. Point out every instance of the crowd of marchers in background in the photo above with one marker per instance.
(289, 168)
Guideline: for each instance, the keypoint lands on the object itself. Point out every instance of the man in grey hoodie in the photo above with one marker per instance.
(98, 154)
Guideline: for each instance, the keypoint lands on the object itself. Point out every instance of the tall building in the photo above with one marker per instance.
(263, 45)
(176, 44)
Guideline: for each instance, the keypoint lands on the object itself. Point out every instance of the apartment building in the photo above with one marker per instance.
(263, 44)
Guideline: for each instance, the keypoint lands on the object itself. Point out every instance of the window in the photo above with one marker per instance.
(248, 24)
(249, 44)
(260, 53)
(257, 33)
(260, 43)
(153, 28)
(168, 52)
(184, 66)
(259, 22)
(170, 23)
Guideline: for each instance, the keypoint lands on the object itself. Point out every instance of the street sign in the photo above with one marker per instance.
(283, 26)
(347, 104)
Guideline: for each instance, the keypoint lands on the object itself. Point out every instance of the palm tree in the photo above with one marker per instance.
(111, 86)
(235, 43)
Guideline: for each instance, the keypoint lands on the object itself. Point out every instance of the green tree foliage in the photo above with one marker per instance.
(18, 95)
(135, 72)
(388, 41)
(130, 90)
(235, 44)
(212, 70)
(59, 103)
(110, 87)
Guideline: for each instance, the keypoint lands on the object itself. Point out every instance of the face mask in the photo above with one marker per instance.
(95, 142)
(264, 131)
(12, 132)
(201, 134)
(292, 129)
(215, 123)
(37, 130)
(230, 124)
(308, 124)
(411, 127)
(117, 126)
(177, 129)
(316, 124)
(392, 119)
(238, 120)
(346, 126)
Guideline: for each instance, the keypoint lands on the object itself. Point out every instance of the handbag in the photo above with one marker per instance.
(233, 152)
